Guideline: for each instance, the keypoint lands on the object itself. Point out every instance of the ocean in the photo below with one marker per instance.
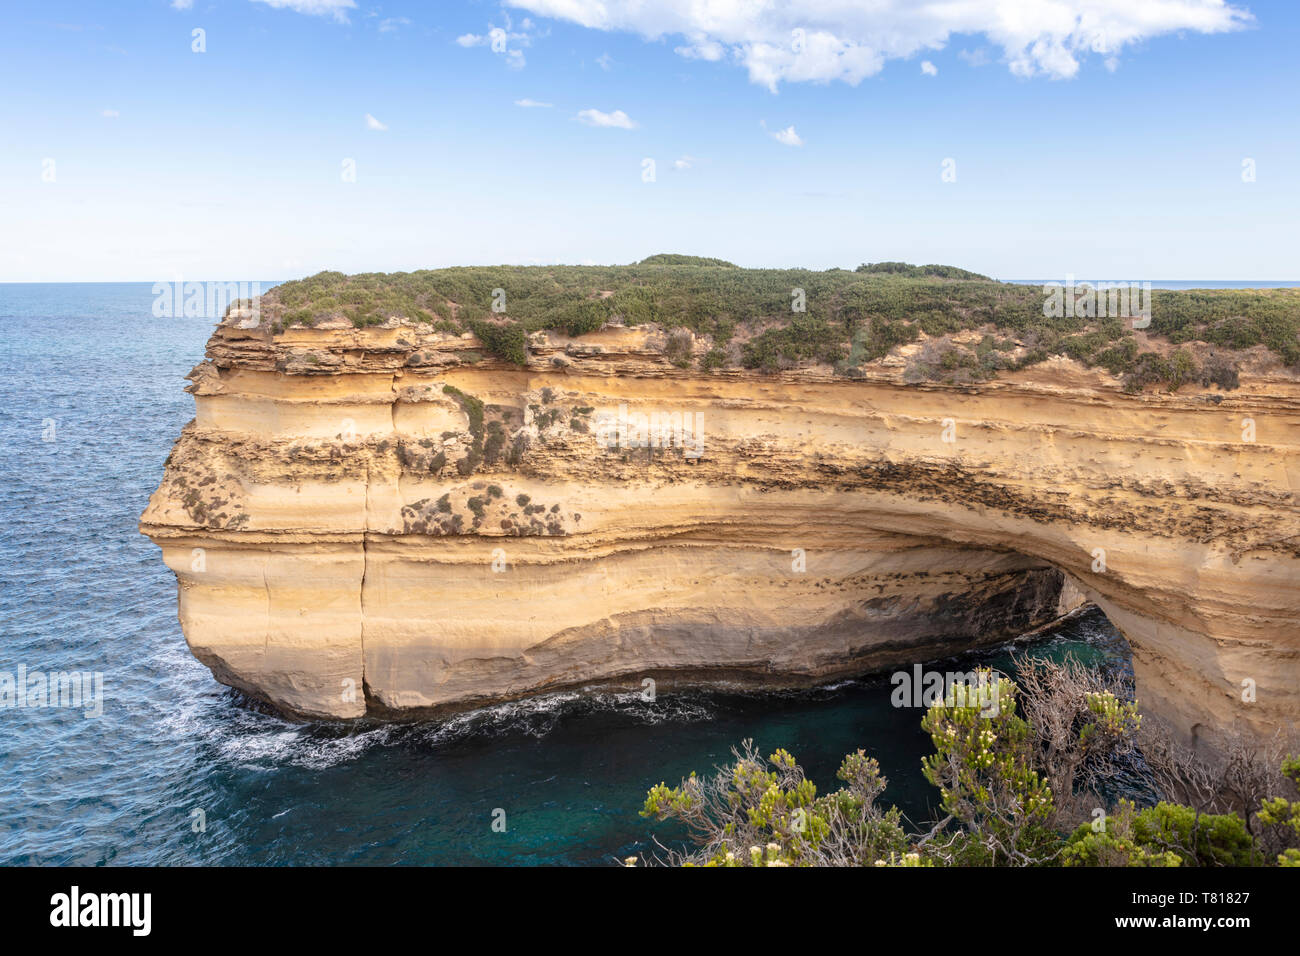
(1175, 285)
(180, 770)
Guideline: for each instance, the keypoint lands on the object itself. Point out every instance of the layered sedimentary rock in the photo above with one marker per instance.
(380, 521)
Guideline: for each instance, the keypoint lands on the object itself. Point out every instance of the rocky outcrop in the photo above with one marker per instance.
(382, 521)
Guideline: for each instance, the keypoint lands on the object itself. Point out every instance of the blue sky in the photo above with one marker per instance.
(1099, 138)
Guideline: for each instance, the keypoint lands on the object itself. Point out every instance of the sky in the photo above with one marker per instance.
(1104, 139)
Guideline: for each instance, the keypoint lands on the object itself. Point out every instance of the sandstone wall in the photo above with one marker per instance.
(303, 512)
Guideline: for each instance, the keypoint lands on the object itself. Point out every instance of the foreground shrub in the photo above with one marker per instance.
(983, 767)
(1110, 841)
(995, 770)
(750, 815)
(1284, 815)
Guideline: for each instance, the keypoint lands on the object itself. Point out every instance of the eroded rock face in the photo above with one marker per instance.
(379, 521)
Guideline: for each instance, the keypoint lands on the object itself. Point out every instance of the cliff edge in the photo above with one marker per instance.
(388, 518)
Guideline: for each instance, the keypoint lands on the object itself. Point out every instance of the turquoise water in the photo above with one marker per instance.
(81, 589)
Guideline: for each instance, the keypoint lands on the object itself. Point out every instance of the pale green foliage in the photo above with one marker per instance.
(767, 813)
(1114, 718)
(983, 768)
(1000, 809)
(1114, 844)
(716, 299)
(1283, 813)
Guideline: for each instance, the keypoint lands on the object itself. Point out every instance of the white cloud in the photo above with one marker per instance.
(471, 39)
(515, 59)
(929, 69)
(109, 114)
(605, 61)
(684, 162)
(787, 137)
(702, 48)
(825, 40)
(182, 4)
(372, 123)
(617, 119)
(338, 9)
(391, 24)
(533, 104)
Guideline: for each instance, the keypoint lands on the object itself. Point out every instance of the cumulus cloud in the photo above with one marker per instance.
(615, 120)
(825, 40)
(702, 48)
(533, 104)
(338, 9)
(372, 123)
(929, 69)
(786, 137)
(182, 4)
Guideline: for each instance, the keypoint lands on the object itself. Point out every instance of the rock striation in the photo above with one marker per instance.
(383, 522)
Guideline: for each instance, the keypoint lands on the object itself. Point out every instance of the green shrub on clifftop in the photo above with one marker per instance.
(894, 302)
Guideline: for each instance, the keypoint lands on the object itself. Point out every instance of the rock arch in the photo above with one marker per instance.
(928, 517)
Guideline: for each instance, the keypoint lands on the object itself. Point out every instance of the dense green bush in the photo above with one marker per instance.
(504, 340)
(1284, 815)
(1110, 842)
(673, 259)
(1164, 835)
(916, 272)
(713, 358)
(850, 318)
(473, 408)
(806, 338)
(879, 339)
(767, 813)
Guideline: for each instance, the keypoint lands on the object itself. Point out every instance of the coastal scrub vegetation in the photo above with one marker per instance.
(918, 272)
(973, 327)
(675, 259)
(1023, 769)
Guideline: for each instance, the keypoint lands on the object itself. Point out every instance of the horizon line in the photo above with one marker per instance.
(1018, 281)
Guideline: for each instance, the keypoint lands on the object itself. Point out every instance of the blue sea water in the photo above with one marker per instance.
(1177, 284)
(88, 367)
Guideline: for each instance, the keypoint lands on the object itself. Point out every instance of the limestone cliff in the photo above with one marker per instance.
(382, 521)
